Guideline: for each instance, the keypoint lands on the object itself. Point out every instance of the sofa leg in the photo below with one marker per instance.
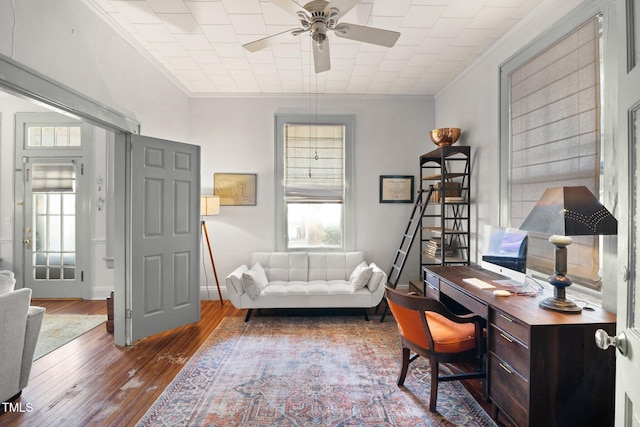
(366, 315)
(246, 319)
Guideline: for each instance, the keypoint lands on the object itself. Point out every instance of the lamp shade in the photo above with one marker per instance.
(209, 205)
(570, 211)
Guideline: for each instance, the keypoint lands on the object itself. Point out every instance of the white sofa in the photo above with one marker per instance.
(306, 280)
(19, 329)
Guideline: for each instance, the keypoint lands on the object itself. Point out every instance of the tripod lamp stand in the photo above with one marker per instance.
(209, 206)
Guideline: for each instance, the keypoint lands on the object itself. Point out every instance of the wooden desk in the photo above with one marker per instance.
(544, 368)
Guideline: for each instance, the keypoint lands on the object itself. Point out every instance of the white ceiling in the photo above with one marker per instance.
(199, 44)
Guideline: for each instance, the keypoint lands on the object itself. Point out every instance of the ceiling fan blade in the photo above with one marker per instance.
(367, 34)
(321, 57)
(291, 6)
(343, 6)
(271, 40)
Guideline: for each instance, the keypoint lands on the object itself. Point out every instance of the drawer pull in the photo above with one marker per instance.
(506, 318)
(506, 337)
(509, 371)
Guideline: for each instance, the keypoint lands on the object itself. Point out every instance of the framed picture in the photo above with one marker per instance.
(396, 188)
(235, 189)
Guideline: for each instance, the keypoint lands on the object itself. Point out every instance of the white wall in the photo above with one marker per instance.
(66, 41)
(237, 135)
(471, 103)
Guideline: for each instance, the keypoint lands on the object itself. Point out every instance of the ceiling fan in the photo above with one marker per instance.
(317, 17)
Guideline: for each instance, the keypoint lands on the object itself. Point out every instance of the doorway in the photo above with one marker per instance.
(52, 210)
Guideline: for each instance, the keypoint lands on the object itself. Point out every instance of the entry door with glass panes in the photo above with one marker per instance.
(54, 235)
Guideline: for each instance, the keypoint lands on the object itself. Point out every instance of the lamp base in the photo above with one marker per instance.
(561, 305)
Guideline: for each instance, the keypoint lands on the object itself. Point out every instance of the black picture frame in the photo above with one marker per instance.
(396, 189)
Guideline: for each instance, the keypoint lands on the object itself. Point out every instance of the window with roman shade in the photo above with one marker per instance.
(554, 139)
(313, 174)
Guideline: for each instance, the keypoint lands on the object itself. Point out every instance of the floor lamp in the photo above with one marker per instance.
(209, 206)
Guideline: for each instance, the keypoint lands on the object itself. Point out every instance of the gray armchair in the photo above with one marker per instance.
(19, 329)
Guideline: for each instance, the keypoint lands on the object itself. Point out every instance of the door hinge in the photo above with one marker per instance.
(129, 145)
(128, 313)
(82, 275)
(81, 168)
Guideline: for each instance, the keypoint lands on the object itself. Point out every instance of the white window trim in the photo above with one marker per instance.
(348, 121)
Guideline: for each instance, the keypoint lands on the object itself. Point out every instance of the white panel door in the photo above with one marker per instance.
(628, 310)
(164, 236)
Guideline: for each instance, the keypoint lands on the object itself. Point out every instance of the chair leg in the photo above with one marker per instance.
(434, 385)
(384, 313)
(405, 366)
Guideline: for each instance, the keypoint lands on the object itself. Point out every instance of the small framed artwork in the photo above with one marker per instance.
(396, 188)
(235, 189)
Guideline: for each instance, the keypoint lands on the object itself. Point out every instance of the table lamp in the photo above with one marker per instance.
(209, 206)
(563, 212)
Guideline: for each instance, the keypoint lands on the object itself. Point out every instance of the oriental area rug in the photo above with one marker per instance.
(307, 371)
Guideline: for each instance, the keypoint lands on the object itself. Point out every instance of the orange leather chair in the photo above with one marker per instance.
(430, 330)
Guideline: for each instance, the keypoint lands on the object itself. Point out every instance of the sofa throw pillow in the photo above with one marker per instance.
(254, 280)
(7, 281)
(376, 277)
(360, 276)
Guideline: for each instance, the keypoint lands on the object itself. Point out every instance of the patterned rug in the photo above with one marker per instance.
(59, 329)
(307, 371)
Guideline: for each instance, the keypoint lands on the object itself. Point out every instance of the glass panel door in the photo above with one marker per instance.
(50, 242)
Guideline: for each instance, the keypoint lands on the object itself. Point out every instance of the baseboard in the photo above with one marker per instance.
(101, 292)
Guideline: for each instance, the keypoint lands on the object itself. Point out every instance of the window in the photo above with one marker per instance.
(552, 138)
(313, 182)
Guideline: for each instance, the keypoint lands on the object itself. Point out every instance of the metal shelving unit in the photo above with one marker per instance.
(444, 234)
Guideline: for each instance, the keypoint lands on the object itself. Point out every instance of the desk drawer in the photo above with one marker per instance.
(472, 304)
(510, 350)
(432, 287)
(509, 390)
(512, 326)
(432, 279)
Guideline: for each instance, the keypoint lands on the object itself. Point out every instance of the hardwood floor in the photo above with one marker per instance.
(91, 382)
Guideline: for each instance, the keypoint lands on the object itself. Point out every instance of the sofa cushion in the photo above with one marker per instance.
(333, 265)
(285, 266)
(360, 276)
(7, 281)
(254, 280)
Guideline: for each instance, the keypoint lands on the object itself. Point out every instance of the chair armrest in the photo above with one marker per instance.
(34, 323)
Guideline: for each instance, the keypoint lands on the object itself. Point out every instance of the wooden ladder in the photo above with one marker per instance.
(415, 221)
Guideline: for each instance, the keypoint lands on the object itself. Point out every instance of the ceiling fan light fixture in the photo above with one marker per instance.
(319, 16)
(320, 45)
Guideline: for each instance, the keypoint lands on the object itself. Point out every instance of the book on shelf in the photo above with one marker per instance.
(451, 189)
(435, 248)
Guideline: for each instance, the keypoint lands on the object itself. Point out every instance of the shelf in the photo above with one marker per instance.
(445, 152)
(446, 176)
(440, 230)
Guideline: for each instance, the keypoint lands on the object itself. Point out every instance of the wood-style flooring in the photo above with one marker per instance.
(92, 382)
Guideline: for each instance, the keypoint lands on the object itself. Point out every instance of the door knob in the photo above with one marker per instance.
(27, 242)
(604, 341)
